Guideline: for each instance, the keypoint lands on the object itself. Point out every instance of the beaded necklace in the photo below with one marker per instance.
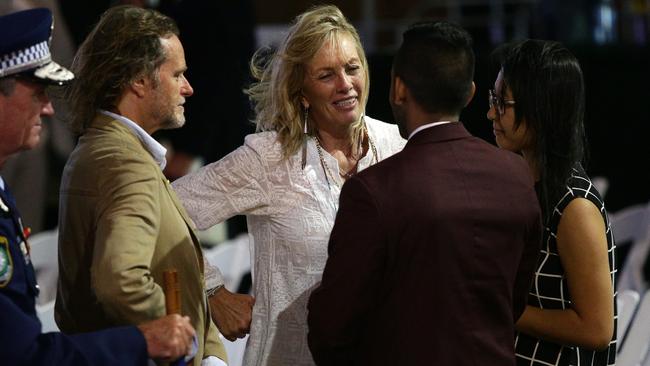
(326, 170)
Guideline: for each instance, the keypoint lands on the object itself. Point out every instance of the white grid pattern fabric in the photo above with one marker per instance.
(25, 59)
(550, 289)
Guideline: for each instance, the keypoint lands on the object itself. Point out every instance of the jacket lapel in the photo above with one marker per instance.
(188, 221)
(104, 122)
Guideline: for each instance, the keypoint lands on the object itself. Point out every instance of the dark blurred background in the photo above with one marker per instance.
(610, 38)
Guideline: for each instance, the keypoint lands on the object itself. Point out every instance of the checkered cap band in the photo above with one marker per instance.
(29, 58)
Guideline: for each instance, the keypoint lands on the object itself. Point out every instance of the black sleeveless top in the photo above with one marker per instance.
(550, 289)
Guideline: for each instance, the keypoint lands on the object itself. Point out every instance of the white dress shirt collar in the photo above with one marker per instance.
(428, 125)
(154, 148)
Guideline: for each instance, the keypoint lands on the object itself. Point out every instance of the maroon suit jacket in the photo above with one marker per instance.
(430, 259)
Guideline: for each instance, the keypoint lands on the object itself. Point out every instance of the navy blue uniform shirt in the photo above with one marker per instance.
(17, 277)
(21, 340)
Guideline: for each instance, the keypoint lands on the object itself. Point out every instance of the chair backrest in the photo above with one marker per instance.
(45, 314)
(632, 225)
(44, 249)
(629, 224)
(627, 301)
(647, 361)
(235, 350)
(233, 260)
(635, 348)
(602, 185)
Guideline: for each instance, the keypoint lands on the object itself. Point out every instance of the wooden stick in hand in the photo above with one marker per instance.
(172, 292)
(172, 300)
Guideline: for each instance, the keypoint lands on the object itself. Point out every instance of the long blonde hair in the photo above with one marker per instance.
(277, 91)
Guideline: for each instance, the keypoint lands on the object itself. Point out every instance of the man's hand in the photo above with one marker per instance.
(168, 338)
(232, 313)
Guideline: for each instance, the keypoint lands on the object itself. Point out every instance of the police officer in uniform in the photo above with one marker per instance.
(26, 71)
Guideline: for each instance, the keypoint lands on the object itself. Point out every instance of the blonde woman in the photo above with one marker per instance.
(309, 100)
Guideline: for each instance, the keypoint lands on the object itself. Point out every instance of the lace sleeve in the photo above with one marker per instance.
(213, 276)
(237, 184)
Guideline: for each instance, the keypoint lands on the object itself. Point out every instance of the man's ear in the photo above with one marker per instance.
(398, 91)
(471, 94)
(140, 85)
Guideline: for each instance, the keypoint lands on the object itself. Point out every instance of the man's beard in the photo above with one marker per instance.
(171, 121)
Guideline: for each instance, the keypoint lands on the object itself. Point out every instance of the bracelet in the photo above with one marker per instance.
(210, 292)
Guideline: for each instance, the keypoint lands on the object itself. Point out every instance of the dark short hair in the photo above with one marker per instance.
(436, 62)
(547, 85)
(123, 46)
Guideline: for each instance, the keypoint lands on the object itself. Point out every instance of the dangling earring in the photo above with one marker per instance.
(304, 145)
(306, 118)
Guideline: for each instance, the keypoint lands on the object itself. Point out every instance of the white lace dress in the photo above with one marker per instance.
(290, 213)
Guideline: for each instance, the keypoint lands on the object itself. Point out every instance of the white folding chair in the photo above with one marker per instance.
(627, 301)
(602, 184)
(233, 260)
(45, 314)
(235, 350)
(632, 225)
(44, 255)
(635, 348)
(232, 257)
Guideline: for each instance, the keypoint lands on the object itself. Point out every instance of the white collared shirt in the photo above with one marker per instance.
(2, 184)
(154, 148)
(428, 125)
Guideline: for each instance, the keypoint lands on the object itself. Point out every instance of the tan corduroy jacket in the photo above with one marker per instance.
(120, 227)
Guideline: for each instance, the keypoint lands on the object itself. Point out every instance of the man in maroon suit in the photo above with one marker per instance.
(433, 250)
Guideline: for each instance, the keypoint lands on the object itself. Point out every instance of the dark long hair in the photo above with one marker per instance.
(547, 84)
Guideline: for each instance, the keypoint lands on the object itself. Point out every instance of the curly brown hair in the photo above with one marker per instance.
(123, 46)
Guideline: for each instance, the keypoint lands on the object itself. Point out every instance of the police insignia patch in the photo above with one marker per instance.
(6, 264)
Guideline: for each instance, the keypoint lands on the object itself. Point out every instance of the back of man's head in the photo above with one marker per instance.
(436, 63)
(124, 46)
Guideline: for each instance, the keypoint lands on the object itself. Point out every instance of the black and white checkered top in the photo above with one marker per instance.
(550, 289)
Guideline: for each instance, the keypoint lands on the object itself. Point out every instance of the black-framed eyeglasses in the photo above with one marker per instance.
(498, 103)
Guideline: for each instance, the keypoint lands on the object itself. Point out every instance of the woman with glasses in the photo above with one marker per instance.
(536, 109)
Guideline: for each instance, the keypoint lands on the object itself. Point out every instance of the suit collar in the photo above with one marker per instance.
(428, 125)
(104, 123)
(153, 147)
(449, 131)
